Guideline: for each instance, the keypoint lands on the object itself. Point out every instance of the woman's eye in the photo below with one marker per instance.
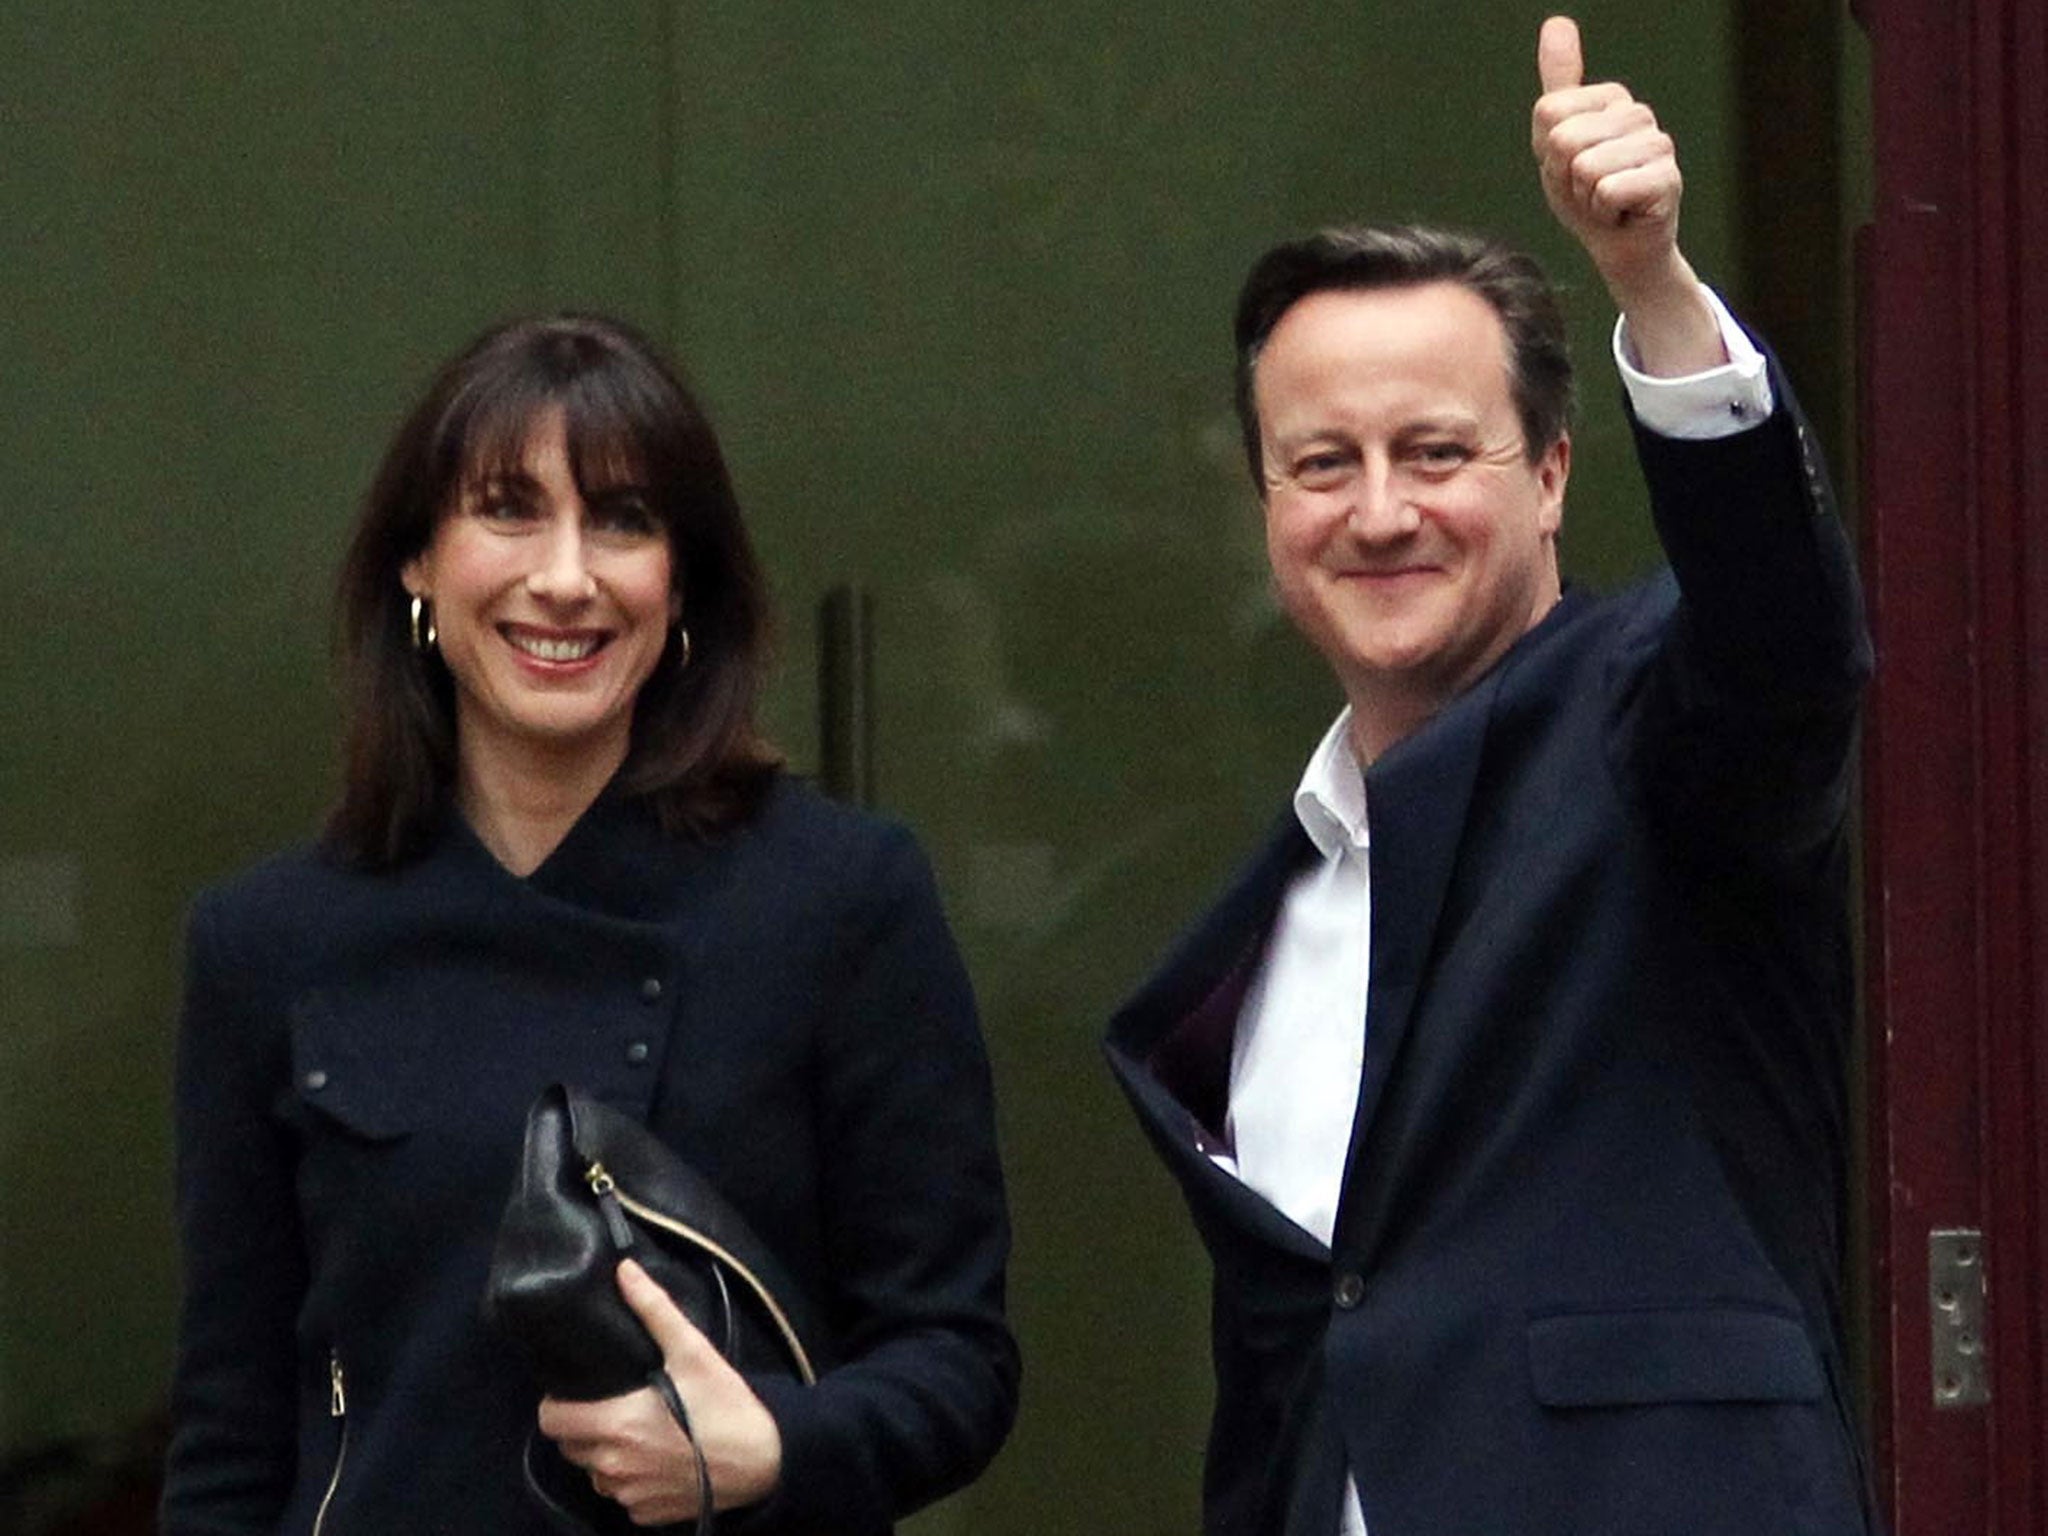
(625, 515)
(502, 507)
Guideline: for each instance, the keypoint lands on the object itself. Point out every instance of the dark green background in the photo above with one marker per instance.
(955, 279)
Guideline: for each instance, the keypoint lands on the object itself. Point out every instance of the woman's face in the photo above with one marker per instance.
(552, 610)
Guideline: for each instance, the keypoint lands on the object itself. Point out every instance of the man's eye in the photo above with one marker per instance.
(1442, 455)
(1319, 470)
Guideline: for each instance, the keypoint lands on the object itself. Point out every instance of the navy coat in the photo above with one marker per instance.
(1585, 1278)
(783, 1005)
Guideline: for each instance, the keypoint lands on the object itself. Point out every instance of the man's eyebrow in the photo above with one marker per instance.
(1439, 421)
(1288, 442)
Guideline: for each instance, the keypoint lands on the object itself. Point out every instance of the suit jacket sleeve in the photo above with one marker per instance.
(1739, 708)
(916, 1230)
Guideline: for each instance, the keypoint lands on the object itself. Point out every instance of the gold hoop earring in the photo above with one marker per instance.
(424, 635)
(683, 640)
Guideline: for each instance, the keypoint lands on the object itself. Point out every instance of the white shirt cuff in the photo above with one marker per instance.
(1717, 403)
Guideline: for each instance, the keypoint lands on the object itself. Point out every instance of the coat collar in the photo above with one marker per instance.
(617, 861)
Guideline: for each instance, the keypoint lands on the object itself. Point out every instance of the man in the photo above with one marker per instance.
(1505, 1085)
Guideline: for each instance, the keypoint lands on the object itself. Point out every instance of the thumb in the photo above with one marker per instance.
(1560, 63)
(674, 1334)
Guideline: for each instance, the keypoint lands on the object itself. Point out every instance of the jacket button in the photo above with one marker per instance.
(315, 1080)
(636, 1053)
(1349, 1290)
(650, 989)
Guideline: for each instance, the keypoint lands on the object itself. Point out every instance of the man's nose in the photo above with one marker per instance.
(562, 573)
(1380, 510)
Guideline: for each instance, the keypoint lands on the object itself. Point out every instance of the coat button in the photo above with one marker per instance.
(1349, 1290)
(637, 1052)
(315, 1080)
(650, 989)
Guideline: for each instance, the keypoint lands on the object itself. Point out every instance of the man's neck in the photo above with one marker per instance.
(1386, 711)
(1379, 724)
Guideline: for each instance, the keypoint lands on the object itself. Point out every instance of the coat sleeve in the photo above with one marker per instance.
(917, 1233)
(234, 1403)
(1738, 704)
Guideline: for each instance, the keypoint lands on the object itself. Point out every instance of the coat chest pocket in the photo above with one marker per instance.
(1671, 1355)
(349, 1076)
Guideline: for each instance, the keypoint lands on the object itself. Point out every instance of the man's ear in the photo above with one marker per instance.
(1553, 470)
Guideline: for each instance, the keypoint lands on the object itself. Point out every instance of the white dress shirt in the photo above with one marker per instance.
(1300, 1043)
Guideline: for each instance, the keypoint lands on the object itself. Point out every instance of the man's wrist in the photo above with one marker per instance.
(1717, 401)
(1671, 325)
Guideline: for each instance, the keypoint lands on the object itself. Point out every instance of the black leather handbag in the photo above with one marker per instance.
(594, 1186)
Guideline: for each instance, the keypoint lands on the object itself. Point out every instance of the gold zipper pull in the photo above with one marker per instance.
(606, 1189)
(337, 1403)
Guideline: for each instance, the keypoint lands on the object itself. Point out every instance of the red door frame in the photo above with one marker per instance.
(1953, 341)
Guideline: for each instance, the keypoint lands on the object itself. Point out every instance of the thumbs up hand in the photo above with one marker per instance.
(1611, 176)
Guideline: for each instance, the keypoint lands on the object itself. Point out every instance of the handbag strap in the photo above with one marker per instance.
(568, 1521)
(665, 1388)
(621, 1232)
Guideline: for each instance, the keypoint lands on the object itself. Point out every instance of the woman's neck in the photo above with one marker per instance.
(521, 799)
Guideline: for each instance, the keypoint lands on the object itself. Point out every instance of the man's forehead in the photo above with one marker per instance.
(1429, 318)
(1437, 351)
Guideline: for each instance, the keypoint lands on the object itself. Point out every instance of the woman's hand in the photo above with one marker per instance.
(635, 1453)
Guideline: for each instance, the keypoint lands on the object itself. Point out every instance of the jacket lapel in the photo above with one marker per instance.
(1169, 1048)
(1213, 954)
(1416, 799)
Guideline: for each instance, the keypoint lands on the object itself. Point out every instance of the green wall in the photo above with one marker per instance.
(955, 279)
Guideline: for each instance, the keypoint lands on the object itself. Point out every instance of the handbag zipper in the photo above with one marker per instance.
(606, 1189)
(610, 1197)
(337, 1408)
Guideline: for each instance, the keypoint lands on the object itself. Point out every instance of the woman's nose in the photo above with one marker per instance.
(562, 574)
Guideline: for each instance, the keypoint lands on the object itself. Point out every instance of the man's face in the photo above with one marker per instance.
(1411, 539)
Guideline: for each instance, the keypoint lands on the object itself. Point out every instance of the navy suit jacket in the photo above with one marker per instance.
(1585, 1273)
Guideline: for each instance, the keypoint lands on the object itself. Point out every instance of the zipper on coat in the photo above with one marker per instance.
(337, 1409)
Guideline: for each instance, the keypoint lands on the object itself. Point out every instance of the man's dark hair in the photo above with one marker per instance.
(1408, 256)
(627, 418)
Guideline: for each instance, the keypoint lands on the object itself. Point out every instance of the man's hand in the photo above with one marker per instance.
(633, 1450)
(1611, 176)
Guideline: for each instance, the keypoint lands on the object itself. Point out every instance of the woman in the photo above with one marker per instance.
(564, 853)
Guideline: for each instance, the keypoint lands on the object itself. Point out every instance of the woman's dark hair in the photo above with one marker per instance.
(1408, 256)
(627, 416)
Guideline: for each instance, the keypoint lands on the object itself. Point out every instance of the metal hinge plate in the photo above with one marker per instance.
(1955, 1301)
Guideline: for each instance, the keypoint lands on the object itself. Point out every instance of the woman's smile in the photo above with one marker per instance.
(554, 646)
